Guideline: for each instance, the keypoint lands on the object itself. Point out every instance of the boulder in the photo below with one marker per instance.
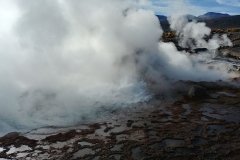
(197, 92)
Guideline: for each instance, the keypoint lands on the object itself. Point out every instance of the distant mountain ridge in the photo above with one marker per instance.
(162, 17)
(212, 20)
(212, 15)
(208, 15)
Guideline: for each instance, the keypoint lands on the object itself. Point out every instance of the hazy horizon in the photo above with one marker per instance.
(196, 8)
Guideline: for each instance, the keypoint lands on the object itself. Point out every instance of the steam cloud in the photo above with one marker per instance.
(192, 34)
(59, 60)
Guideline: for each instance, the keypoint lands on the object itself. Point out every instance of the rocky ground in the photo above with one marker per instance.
(203, 124)
(198, 120)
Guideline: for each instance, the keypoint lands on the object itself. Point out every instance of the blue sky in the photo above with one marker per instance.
(195, 7)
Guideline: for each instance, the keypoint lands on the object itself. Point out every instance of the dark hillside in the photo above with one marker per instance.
(224, 22)
(161, 17)
(211, 15)
(217, 23)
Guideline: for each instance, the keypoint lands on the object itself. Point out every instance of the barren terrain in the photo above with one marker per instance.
(196, 120)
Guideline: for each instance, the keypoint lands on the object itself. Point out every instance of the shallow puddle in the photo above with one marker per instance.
(44, 147)
(20, 155)
(186, 151)
(204, 119)
(101, 131)
(209, 112)
(169, 153)
(172, 142)
(121, 137)
(222, 150)
(20, 149)
(217, 128)
(43, 156)
(199, 141)
(36, 152)
(83, 143)
(141, 123)
(59, 145)
(83, 152)
(213, 138)
(117, 129)
(41, 133)
(182, 150)
(169, 143)
(209, 155)
(166, 119)
(96, 158)
(152, 134)
(231, 118)
(137, 153)
(117, 147)
(117, 156)
(198, 129)
(226, 113)
(228, 94)
(69, 150)
(207, 109)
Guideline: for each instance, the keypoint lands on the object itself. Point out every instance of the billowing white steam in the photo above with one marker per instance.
(192, 34)
(60, 60)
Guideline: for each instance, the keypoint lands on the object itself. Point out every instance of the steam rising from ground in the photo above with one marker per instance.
(193, 34)
(60, 60)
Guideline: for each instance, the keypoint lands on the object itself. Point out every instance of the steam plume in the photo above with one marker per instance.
(193, 34)
(60, 60)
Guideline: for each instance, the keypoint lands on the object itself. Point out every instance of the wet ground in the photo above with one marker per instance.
(163, 128)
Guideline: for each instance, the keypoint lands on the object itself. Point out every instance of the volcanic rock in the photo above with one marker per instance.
(196, 92)
(11, 135)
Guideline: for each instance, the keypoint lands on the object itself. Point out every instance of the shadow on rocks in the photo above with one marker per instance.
(197, 92)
